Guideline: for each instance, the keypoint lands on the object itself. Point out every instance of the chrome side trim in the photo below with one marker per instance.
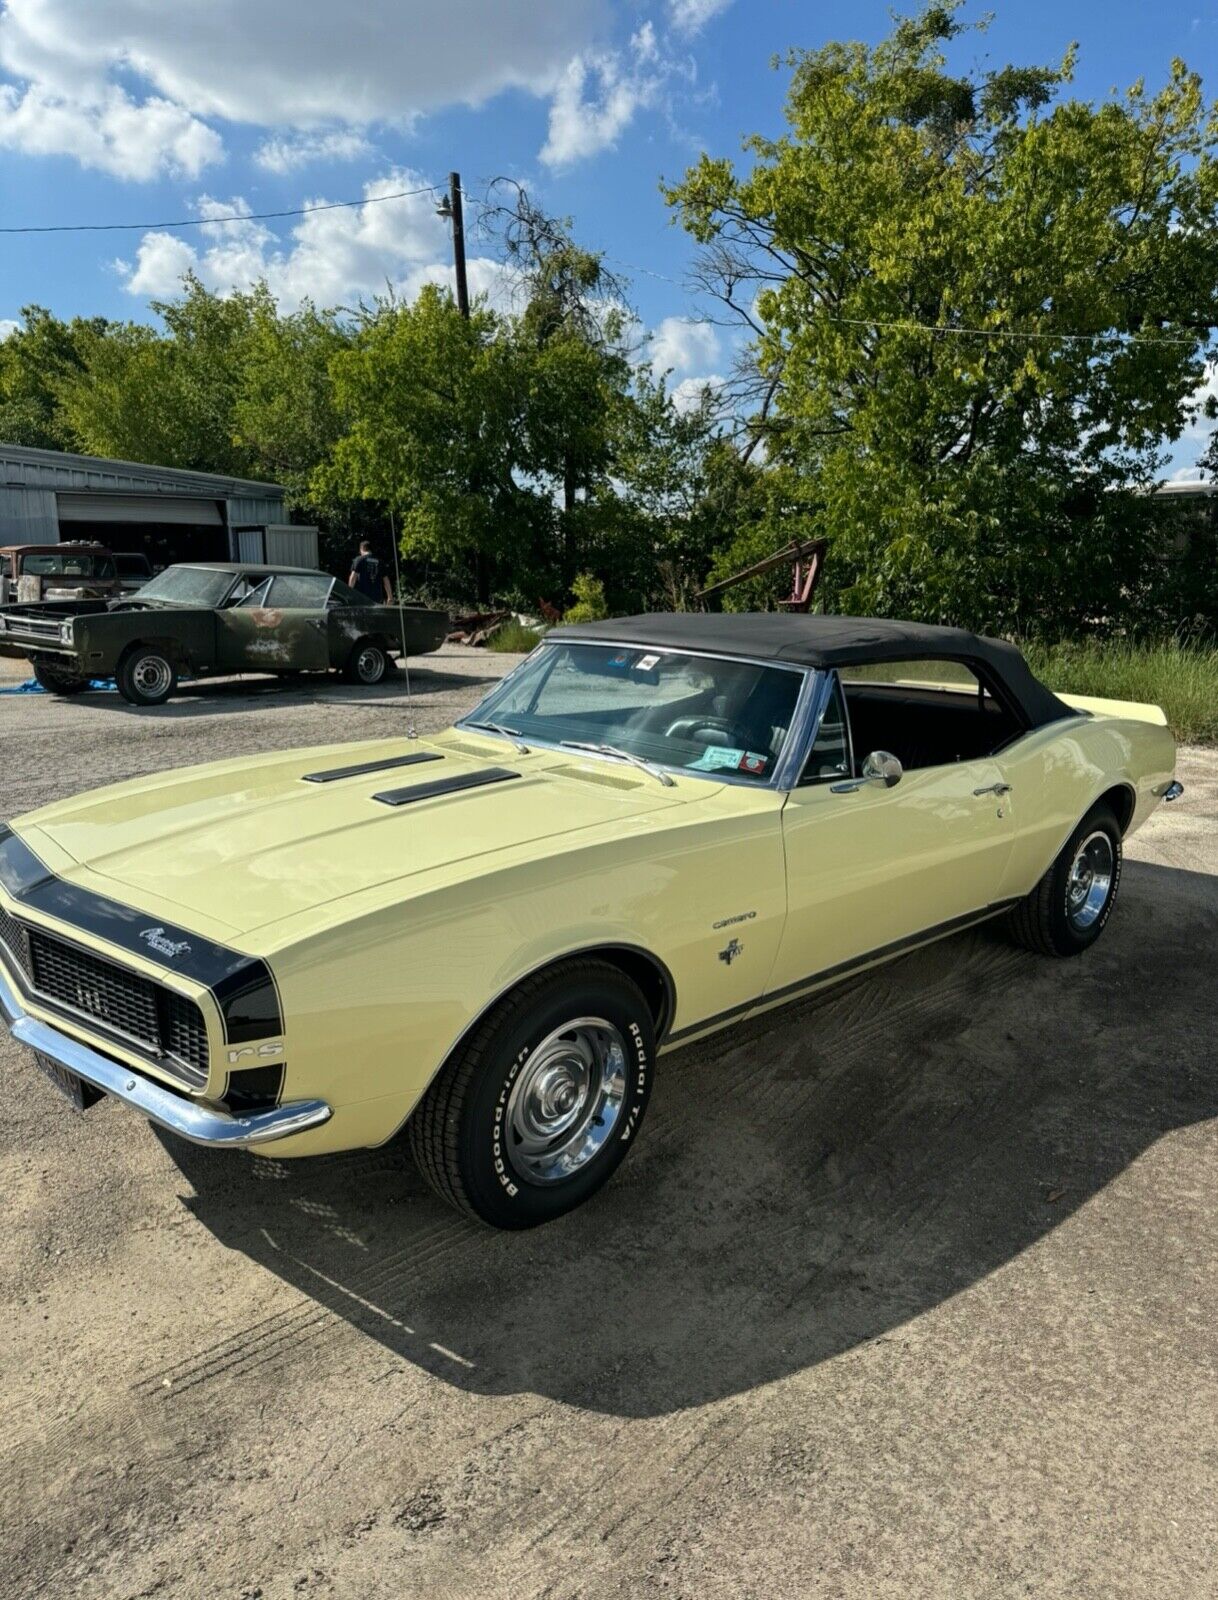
(189, 1119)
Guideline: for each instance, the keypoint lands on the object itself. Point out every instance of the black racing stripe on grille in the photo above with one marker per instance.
(332, 774)
(453, 785)
(243, 985)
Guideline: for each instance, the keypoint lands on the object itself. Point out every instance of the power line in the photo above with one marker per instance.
(236, 216)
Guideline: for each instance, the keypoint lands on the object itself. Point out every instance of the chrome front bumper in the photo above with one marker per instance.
(189, 1119)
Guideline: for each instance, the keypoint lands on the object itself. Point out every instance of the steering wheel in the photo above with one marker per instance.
(687, 727)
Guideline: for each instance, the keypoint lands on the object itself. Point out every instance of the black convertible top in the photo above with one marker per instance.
(824, 641)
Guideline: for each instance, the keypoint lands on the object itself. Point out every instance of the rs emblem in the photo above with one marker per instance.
(259, 1052)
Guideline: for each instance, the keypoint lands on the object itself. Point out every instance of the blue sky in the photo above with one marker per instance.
(114, 110)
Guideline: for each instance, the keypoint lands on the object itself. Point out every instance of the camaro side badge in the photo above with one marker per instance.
(156, 940)
(726, 922)
(729, 955)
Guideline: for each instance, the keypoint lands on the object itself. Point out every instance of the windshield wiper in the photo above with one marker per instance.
(506, 733)
(622, 755)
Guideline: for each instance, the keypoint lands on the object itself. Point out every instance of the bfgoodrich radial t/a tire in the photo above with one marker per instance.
(1070, 906)
(541, 1104)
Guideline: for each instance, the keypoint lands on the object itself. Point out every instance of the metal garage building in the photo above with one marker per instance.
(170, 515)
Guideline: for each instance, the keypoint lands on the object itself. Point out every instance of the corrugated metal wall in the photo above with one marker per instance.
(293, 547)
(30, 480)
(27, 516)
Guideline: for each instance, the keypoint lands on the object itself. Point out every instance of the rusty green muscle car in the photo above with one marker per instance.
(214, 620)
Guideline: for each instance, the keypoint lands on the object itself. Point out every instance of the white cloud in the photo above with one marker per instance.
(691, 16)
(687, 396)
(1188, 475)
(105, 128)
(7, 328)
(681, 345)
(74, 66)
(332, 257)
(595, 101)
(286, 152)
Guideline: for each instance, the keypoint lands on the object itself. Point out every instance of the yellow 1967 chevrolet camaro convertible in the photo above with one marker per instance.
(653, 827)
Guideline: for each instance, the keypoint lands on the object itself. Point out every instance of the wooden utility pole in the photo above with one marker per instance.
(458, 222)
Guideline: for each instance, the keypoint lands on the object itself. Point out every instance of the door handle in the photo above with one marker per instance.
(994, 788)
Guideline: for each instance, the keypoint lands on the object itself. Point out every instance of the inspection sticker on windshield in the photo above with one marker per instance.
(645, 663)
(722, 758)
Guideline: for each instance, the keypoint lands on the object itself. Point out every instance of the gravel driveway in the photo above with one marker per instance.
(908, 1292)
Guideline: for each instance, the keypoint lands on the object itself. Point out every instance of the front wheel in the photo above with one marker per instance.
(1070, 906)
(146, 676)
(367, 664)
(541, 1104)
(58, 679)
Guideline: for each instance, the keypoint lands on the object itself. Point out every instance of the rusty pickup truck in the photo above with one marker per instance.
(215, 620)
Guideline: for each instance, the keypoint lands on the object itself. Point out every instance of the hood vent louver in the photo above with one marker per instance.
(333, 774)
(439, 786)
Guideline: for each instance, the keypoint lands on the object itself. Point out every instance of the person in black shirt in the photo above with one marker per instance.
(368, 576)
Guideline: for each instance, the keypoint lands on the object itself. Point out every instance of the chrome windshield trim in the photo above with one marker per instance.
(810, 675)
(189, 1119)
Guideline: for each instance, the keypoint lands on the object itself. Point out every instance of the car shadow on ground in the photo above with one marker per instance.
(813, 1181)
(216, 696)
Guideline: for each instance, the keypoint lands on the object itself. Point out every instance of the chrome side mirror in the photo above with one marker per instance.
(881, 767)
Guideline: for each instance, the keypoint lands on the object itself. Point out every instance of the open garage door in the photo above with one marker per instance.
(165, 528)
(126, 508)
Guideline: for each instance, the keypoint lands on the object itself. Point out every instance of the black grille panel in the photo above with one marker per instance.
(156, 1019)
(183, 1034)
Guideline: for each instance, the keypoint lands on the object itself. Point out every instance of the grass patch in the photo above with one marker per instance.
(1181, 678)
(513, 639)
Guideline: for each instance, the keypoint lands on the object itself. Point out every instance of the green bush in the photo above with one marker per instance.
(589, 604)
(513, 638)
(1180, 677)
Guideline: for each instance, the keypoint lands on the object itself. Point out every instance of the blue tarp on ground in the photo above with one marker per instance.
(32, 686)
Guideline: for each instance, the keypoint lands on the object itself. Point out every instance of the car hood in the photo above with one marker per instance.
(247, 843)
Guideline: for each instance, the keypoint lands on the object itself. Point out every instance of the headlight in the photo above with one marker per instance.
(3, 624)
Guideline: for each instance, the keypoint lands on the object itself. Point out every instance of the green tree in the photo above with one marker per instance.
(35, 360)
(432, 406)
(166, 398)
(978, 307)
(570, 343)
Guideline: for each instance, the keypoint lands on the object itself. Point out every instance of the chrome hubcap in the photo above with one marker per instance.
(369, 665)
(151, 675)
(1090, 881)
(567, 1100)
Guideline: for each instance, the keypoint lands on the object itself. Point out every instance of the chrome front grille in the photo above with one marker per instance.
(13, 937)
(156, 1020)
(34, 627)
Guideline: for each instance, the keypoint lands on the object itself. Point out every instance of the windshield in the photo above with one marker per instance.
(188, 586)
(68, 564)
(704, 715)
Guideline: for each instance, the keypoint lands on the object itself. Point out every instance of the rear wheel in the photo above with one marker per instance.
(367, 664)
(55, 678)
(146, 676)
(540, 1105)
(1070, 906)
